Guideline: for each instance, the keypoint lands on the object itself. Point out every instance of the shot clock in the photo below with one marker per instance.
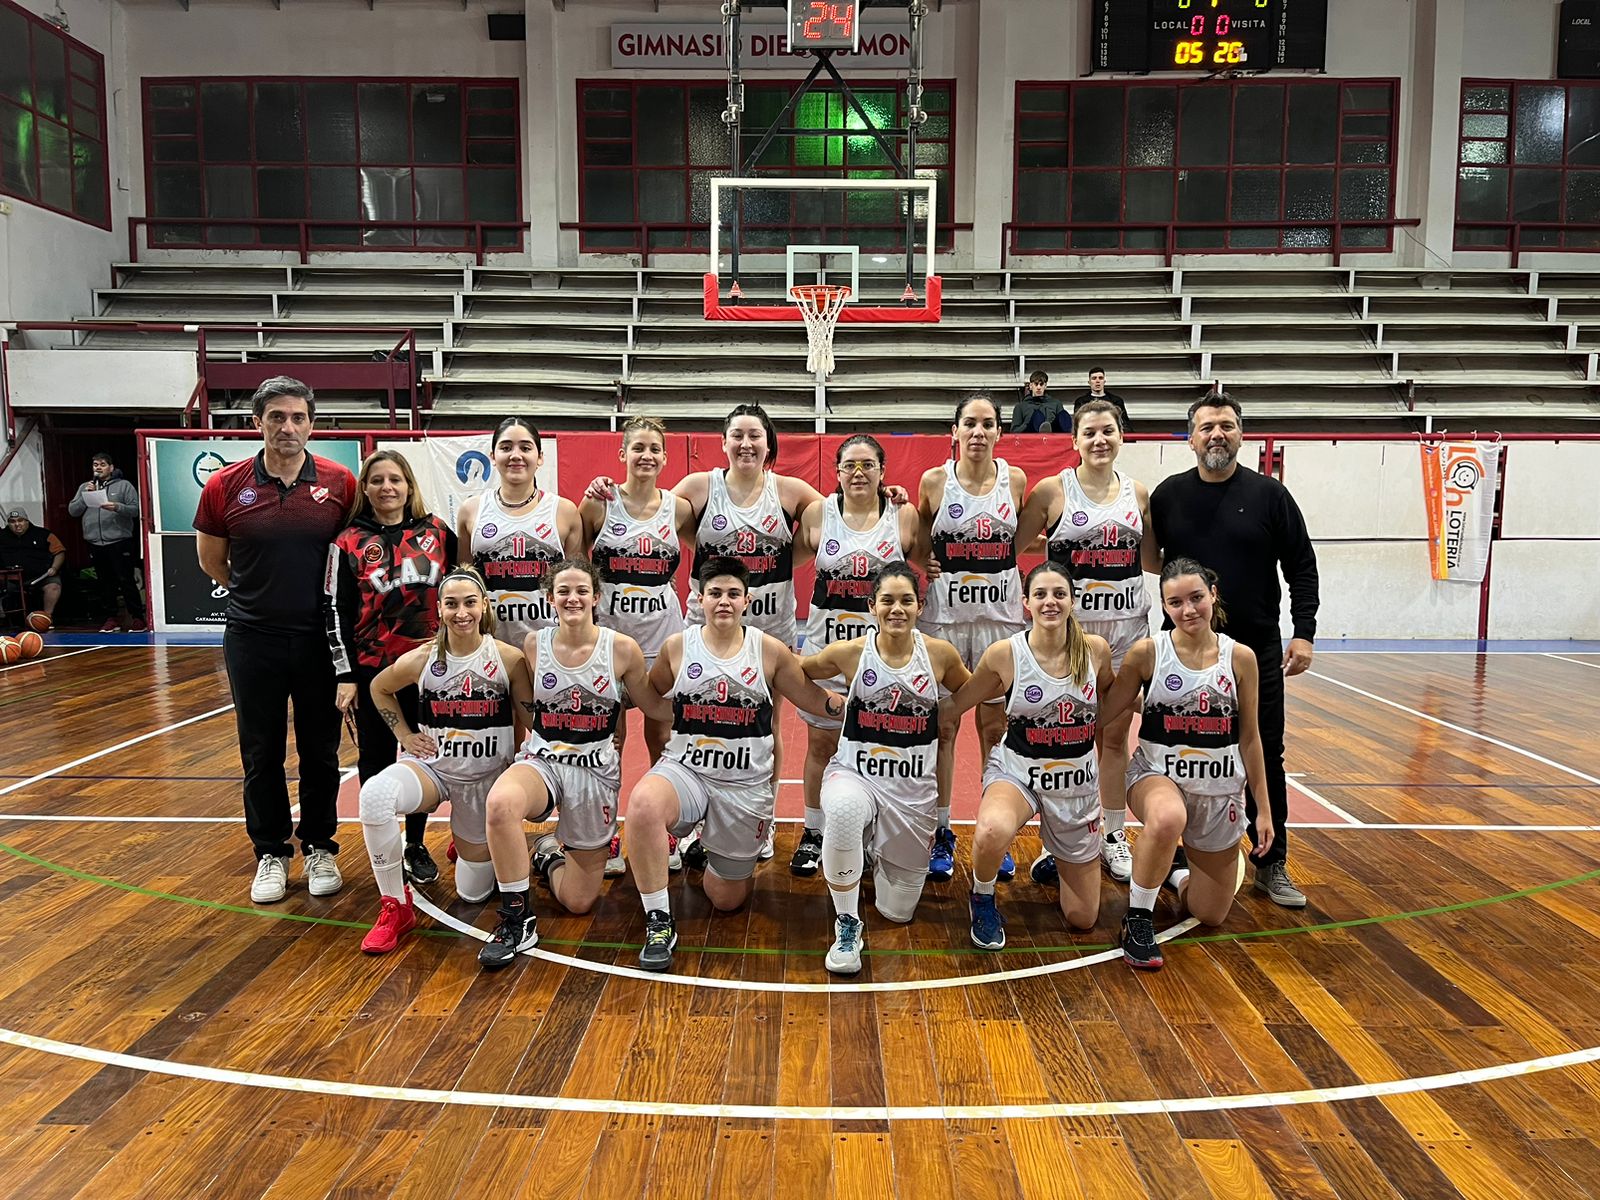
(1206, 36)
(824, 25)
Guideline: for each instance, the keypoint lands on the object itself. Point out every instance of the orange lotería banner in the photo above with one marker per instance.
(1459, 481)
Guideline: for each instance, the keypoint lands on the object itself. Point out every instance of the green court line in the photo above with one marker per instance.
(934, 952)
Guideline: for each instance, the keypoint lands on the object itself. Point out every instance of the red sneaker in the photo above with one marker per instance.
(396, 918)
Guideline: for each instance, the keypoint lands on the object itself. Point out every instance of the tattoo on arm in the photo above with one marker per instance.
(391, 719)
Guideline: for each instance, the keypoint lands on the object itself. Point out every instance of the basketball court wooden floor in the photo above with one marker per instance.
(1428, 1027)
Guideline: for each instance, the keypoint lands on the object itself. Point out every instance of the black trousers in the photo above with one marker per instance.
(1269, 665)
(114, 565)
(267, 672)
(377, 745)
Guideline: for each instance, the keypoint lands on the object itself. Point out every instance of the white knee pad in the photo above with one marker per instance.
(390, 792)
(475, 881)
(846, 807)
(895, 891)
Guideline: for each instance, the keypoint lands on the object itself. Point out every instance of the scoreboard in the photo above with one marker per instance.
(1206, 36)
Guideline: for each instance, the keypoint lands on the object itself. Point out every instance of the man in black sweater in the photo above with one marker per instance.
(1244, 525)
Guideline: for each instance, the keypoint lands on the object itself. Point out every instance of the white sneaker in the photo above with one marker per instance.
(844, 956)
(674, 855)
(1117, 857)
(272, 880)
(322, 873)
(615, 864)
(766, 850)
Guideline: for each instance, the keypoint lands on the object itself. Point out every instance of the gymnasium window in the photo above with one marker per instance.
(332, 150)
(648, 151)
(1117, 153)
(52, 119)
(1529, 152)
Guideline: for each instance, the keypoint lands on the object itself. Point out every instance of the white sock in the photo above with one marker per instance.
(847, 903)
(944, 816)
(516, 885)
(655, 901)
(1112, 820)
(983, 887)
(1143, 897)
(386, 847)
(814, 818)
(1179, 878)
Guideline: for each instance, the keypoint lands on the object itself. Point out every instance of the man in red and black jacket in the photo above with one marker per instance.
(382, 599)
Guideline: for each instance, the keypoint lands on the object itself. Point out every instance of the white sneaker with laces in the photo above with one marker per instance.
(1117, 857)
(322, 873)
(674, 854)
(766, 850)
(615, 864)
(844, 956)
(272, 880)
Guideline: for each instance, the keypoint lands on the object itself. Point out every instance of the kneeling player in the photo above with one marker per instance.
(1198, 742)
(466, 682)
(717, 768)
(582, 675)
(1053, 677)
(880, 791)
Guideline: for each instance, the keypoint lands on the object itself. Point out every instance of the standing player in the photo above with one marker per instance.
(382, 600)
(582, 675)
(1096, 519)
(1053, 678)
(723, 679)
(969, 509)
(881, 790)
(516, 530)
(466, 683)
(636, 540)
(853, 534)
(1199, 741)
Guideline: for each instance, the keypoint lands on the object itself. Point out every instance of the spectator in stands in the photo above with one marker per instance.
(1037, 411)
(38, 554)
(1244, 526)
(1097, 391)
(108, 506)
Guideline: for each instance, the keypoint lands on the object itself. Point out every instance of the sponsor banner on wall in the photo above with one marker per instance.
(190, 599)
(703, 45)
(180, 467)
(451, 470)
(1459, 481)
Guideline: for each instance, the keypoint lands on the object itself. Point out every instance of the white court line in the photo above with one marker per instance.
(1327, 804)
(143, 737)
(1577, 661)
(1473, 733)
(1403, 825)
(785, 1112)
(745, 985)
(41, 660)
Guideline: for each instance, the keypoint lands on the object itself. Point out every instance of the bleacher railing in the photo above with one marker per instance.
(1516, 230)
(305, 245)
(643, 241)
(1170, 231)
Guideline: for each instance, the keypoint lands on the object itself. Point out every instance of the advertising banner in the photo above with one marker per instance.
(179, 468)
(1459, 482)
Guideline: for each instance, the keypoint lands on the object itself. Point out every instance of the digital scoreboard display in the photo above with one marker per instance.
(1206, 36)
(1579, 55)
(824, 25)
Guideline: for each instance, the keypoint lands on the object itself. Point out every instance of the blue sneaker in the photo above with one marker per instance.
(1043, 872)
(942, 861)
(988, 926)
(1008, 869)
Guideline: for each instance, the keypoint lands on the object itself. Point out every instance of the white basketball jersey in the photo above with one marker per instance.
(576, 709)
(1100, 542)
(760, 537)
(465, 704)
(847, 562)
(722, 712)
(974, 539)
(891, 725)
(637, 559)
(514, 551)
(1050, 727)
(1190, 727)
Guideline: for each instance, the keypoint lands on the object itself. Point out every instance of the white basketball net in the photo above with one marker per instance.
(820, 304)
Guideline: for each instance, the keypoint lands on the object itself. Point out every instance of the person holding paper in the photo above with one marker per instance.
(108, 506)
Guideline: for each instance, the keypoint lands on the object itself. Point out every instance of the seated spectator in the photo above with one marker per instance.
(38, 554)
(1038, 411)
(1097, 391)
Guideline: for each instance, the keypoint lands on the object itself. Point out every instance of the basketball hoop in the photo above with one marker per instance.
(820, 305)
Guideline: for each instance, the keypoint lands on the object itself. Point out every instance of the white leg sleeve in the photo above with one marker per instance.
(895, 891)
(847, 807)
(393, 791)
(474, 880)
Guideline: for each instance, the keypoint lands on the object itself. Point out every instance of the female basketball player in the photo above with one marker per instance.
(468, 688)
(382, 600)
(635, 538)
(1198, 746)
(1053, 678)
(880, 791)
(515, 530)
(969, 511)
(853, 534)
(724, 679)
(1096, 518)
(582, 675)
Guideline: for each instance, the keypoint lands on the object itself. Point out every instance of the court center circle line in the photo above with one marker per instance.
(784, 1112)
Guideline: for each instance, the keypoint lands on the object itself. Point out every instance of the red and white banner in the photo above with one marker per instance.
(1459, 482)
(698, 46)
